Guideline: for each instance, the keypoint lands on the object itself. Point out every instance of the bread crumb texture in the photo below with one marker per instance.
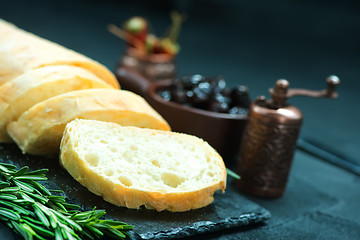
(136, 167)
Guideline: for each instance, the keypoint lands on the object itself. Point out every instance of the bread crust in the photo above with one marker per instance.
(34, 86)
(39, 130)
(129, 197)
(21, 51)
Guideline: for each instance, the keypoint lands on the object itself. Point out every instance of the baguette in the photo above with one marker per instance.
(134, 167)
(21, 51)
(39, 130)
(37, 85)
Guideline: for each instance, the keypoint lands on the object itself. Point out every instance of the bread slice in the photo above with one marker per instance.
(37, 85)
(21, 51)
(134, 167)
(39, 130)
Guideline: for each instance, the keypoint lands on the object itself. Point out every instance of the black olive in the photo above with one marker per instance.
(240, 96)
(218, 84)
(190, 81)
(200, 98)
(220, 107)
(179, 96)
(238, 110)
(221, 98)
(226, 92)
(189, 96)
(196, 79)
(166, 95)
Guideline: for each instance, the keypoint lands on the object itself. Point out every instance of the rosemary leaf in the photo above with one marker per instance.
(112, 222)
(68, 221)
(81, 216)
(67, 232)
(55, 190)
(71, 206)
(8, 166)
(40, 230)
(8, 213)
(115, 233)
(9, 189)
(15, 207)
(68, 235)
(21, 171)
(41, 188)
(25, 186)
(87, 233)
(95, 231)
(29, 229)
(58, 234)
(31, 177)
(32, 220)
(4, 184)
(25, 234)
(41, 215)
(60, 206)
(232, 174)
(4, 169)
(53, 219)
(37, 197)
(124, 227)
(100, 225)
(60, 199)
(26, 197)
(7, 196)
(22, 202)
(37, 172)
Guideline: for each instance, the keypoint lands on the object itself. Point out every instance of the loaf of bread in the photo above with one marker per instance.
(34, 86)
(112, 141)
(21, 51)
(39, 130)
(134, 167)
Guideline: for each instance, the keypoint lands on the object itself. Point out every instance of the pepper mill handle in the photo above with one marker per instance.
(281, 92)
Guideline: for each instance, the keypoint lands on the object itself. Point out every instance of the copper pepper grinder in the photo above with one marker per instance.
(269, 140)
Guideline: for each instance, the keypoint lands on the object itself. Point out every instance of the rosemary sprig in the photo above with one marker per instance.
(33, 212)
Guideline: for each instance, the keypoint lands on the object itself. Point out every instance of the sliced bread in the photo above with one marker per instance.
(34, 86)
(21, 51)
(134, 167)
(39, 130)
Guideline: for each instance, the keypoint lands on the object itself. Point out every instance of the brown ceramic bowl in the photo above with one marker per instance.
(222, 131)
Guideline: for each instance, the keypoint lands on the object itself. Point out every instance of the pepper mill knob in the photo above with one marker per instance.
(332, 82)
(279, 93)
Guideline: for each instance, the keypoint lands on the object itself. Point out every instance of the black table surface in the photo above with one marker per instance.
(253, 43)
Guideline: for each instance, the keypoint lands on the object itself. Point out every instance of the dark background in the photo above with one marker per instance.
(253, 43)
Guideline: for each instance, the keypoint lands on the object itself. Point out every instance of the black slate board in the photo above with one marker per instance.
(229, 210)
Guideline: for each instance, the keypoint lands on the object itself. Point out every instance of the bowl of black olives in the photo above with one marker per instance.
(194, 104)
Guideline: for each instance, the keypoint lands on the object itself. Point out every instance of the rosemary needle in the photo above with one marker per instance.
(232, 174)
(33, 212)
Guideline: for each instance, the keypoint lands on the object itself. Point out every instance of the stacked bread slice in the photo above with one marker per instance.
(54, 100)
(21, 51)
(37, 85)
(39, 129)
